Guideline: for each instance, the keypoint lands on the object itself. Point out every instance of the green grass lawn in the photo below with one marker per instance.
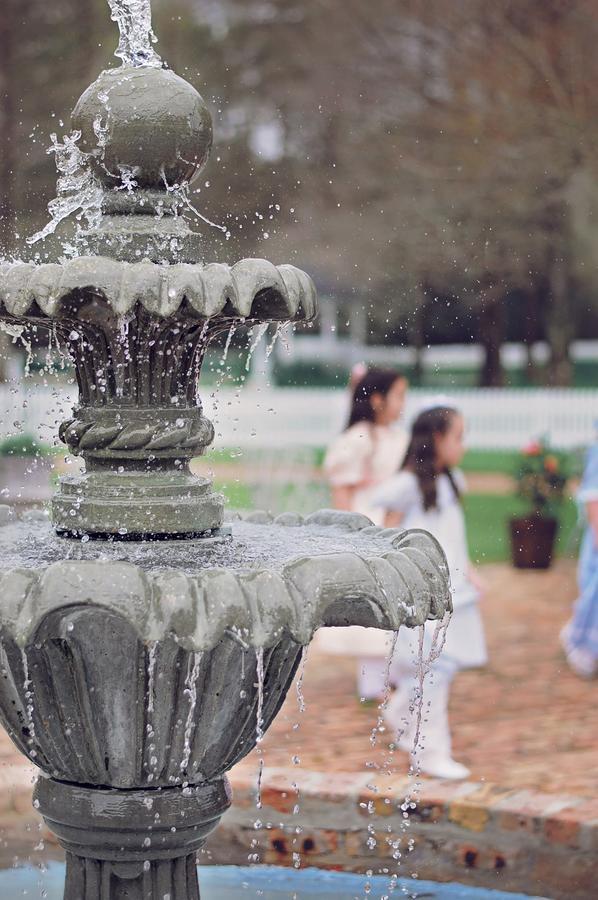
(502, 461)
(487, 515)
(238, 496)
(506, 461)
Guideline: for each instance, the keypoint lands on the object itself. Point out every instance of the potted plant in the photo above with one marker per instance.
(25, 468)
(541, 481)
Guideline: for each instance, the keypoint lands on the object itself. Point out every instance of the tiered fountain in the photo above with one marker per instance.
(144, 646)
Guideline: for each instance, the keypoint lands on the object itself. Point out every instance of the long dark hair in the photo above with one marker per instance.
(421, 453)
(375, 381)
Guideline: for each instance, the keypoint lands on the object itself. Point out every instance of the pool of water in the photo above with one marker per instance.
(31, 544)
(267, 883)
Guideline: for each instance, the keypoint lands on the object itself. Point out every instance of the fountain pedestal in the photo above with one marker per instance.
(131, 844)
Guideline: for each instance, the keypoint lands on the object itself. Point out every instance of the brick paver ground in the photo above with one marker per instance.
(524, 721)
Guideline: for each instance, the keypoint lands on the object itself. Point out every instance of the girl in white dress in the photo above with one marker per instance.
(365, 455)
(426, 494)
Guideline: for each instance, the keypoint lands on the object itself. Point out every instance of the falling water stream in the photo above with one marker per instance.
(134, 20)
(190, 692)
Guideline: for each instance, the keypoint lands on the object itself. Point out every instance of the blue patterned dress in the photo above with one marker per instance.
(580, 635)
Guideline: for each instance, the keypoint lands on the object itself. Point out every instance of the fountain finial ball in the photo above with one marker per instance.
(144, 122)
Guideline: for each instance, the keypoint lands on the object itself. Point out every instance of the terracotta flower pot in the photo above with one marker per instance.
(532, 541)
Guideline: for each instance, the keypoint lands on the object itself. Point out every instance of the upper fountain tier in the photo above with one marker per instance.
(138, 308)
(147, 134)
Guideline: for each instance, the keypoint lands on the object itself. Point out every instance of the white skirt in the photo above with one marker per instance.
(354, 641)
(465, 642)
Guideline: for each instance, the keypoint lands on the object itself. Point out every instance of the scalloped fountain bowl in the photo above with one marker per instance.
(136, 675)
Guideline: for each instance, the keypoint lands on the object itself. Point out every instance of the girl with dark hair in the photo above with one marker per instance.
(367, 453)
(371, 448)
(426, 494)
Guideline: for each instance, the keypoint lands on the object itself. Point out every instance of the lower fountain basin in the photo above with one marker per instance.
(269, 883)
(136, 674)
(143, 665)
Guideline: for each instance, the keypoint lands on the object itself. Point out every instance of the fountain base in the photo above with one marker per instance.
(135, 503)
(138, 844)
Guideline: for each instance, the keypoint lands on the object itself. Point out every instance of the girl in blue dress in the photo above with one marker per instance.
(580, 635)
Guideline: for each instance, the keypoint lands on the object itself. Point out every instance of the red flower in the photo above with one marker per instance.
(534, 448)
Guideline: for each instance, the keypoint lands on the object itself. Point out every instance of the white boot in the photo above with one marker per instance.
(580, 660)
(372, 677)
(432, 753)
(400, 715)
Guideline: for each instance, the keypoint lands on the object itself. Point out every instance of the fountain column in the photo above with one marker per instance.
(131, 844)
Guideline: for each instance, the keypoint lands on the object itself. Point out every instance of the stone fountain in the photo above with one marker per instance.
(145, 647)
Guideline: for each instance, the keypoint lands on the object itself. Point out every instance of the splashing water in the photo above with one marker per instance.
(191, 692)
(79, 192)
(259, 722)
(180, 193)
(270, 348)
(12, 330)
(20, 333)
(229, 337)
(299, 682)
(152, 761)
(259, 726)
(258, 333)
(134, 20)
(151, 675)
(379, 726)
(29, 708)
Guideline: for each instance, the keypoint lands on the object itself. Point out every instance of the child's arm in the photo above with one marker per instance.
(476, 579)
(393, 518)
(342, 496)
(345, 465)
(592, 517)
(396, 496)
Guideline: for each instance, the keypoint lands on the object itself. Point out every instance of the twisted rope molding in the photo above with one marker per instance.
(189, 435)
(211, 290)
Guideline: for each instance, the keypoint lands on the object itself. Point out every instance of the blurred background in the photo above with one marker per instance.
(433, 165)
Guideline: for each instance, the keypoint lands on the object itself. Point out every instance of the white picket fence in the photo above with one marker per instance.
(286, 417)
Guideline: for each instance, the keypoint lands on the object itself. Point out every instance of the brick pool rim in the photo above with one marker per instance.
(470, 832)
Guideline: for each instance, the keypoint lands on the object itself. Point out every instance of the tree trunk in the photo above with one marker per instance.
(7, 129)
(560, 328)
(417, 323)
(491, 333)
(531, 331)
